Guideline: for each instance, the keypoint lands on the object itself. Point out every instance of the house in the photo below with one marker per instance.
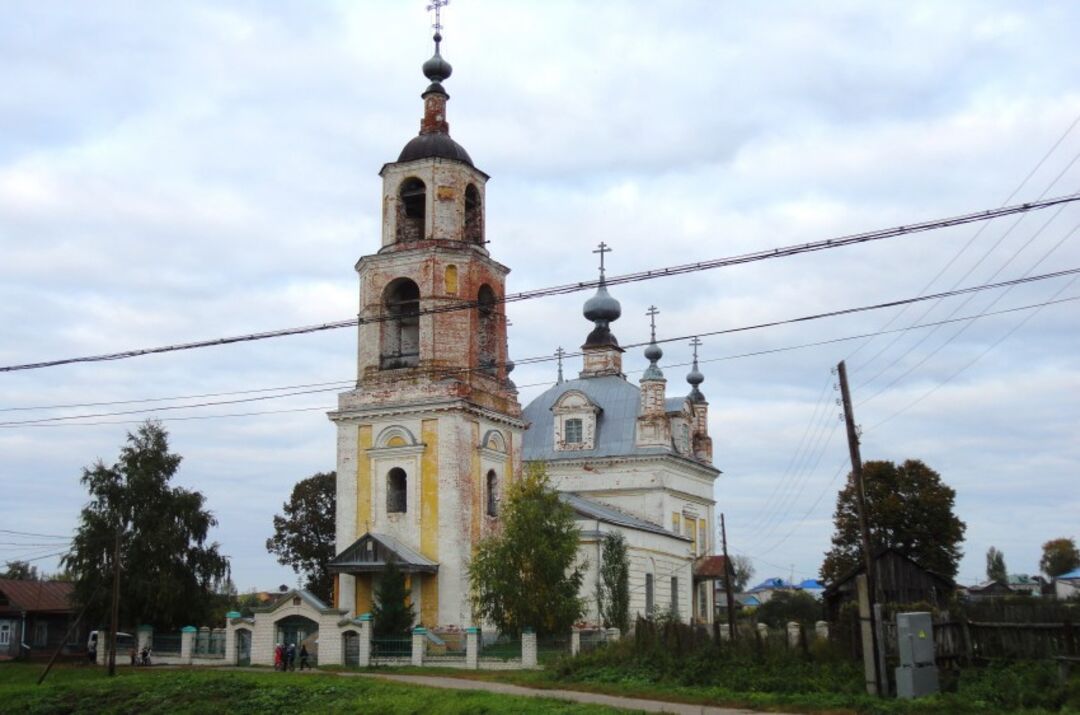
(35, 617)
(1067, 585)
(770, 587)
(900, 579)
(812, 586)
(1023, 584)
(988, 590)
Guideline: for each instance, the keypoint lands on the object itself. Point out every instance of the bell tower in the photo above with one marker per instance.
(431, 435)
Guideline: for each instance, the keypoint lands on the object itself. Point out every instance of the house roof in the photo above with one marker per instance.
(747, 599)
(878, 555)
(35, 596)
(811, 584)
(371, 552)
(710, 567)
(610, 515)
(1075, 573)
(770, 584)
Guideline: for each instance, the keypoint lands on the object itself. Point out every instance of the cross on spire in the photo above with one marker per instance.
(437, 6)
(694, 343)
(652, 312)
(602, 249)
(559, 356)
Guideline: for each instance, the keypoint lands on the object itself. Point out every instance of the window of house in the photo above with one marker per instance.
(572, 431)
(5, 634)
(474, 226)
(703, 601)
(401, 332)
(675, 595)
(396, 491)
(648, 594)
(412, 206)
(487, 329)
(492, 492)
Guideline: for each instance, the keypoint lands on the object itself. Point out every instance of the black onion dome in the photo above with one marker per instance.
(695, 378)
(602, 306)
(435, 144)
(437, 69)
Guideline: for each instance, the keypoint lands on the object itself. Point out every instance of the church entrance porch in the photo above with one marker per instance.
(299, 631)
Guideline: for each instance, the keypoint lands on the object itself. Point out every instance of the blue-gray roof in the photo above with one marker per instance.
(674, 404)
(610, 515)
(616, 424)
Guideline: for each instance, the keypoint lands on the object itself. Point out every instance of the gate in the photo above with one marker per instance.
(243, 647)
(352, 648)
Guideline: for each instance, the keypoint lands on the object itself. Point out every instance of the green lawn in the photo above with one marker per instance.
(82, 689)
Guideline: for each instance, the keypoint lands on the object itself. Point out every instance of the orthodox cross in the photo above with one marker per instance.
(652, 312)
(437, 6)
(695, 343)
(559, 356)
(602, 249)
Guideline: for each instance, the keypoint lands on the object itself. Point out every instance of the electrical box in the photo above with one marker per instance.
(916, 682)
(915, 638)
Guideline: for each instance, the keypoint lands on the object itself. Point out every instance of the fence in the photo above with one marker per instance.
(166, 643)
(209, 644)
(445, 649)
(501, 648)
(396, 650)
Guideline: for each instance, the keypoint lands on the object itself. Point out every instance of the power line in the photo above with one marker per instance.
(30, 533)
(782, 252)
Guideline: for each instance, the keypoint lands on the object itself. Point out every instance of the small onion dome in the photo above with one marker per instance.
(437, 69)
(695, 378)
(602, 307)
(653, 353)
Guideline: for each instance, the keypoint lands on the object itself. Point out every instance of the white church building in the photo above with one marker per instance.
(433, 432)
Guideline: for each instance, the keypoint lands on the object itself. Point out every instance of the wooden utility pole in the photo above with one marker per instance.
(729, 578)
(864, 529)
(115, 605)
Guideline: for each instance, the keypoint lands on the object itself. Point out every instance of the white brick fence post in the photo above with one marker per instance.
(724, 629)
(763, 631)
(418, 635)
(793, 629)
(821, 630)
(613, 634)
(364, 659)
(144, 638)
(230, 637)
(528, 648)
(575, 641)
(472, 648)
(187, 641)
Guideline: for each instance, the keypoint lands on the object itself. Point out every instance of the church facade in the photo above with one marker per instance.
(433, 432)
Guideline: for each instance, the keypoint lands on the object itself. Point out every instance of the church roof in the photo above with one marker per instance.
(371, 552)
(434, 145)
(615, 424)
(610, 515)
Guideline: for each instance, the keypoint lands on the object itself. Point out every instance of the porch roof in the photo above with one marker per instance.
(372, 552)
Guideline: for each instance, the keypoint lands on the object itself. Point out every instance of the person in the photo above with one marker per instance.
(278, 657)
(290, 657)
(304, 657)
(91, 652)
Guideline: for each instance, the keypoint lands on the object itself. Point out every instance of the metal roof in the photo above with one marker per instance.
(674, 404)
(611, 515)
(616, 423)
(408, 559)
(35, 596)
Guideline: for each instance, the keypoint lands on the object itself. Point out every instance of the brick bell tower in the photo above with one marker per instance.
(431, 436)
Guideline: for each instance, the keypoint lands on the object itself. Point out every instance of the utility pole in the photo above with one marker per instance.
(115, 605)
(729, 578)
(874, 673)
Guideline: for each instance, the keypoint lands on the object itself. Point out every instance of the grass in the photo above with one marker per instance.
(82, 689)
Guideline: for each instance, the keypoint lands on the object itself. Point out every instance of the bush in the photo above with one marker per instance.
(785, 606)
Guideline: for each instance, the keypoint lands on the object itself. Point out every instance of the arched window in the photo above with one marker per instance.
(492, 493)
(401, 332)
(487, 332)
(573, 431)
(412, 206)
(397, 491)
(474, 217)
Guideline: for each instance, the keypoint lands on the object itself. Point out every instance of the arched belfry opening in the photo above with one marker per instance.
(411, 210)
(474, 216)
(397, 490)
(401, 330)
(487, 330)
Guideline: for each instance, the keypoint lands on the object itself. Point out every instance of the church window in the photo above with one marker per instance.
(573, 431)
(396, 491)
(487, 332)
(648, 594)
(492, 493)
(675, 595)
(474, 228)
(401, 332)
(412, 206)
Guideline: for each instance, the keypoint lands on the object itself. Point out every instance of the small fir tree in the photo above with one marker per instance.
(613, 590)
(392, 614)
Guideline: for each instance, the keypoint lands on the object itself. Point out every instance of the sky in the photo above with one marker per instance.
(179, 171)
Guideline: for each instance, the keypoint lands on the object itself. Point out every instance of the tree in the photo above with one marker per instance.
(743, 569)
(995, 566)
(304, 537)
(168, 570)
(392, 614)
(908, 508)
(786, 606)
(1059, 556)
(613, 589)
(21, 571)
(526, 576)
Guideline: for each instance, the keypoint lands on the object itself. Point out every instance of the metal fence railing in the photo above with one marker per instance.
(501, 648)
(166, 643)
(391, 650)
(209, 645)
(551, 647)
(591, 640)
(449, 648)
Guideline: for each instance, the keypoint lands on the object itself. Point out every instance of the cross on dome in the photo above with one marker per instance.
(602, 249)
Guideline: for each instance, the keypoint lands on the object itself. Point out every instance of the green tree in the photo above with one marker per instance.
(304, 537)
(392, 614)
(168, 570)
(21, 571)
(786, 606)
(995, 566)
(1059, 556)
(909, 508)
(613, 589)
(526, 576)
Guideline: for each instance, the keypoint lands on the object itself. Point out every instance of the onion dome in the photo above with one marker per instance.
(695, 378)
(434, 139)
(602, 310)
(437, 69)
(653, 353)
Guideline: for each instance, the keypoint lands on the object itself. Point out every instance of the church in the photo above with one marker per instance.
(433, 433)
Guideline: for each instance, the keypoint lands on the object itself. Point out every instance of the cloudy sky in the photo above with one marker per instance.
(187, 170)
